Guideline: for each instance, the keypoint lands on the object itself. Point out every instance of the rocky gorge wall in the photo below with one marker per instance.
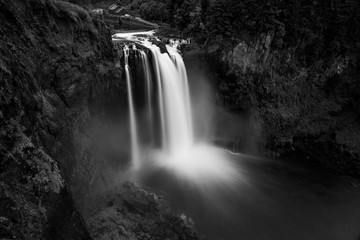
(57, 66)
(308, 111)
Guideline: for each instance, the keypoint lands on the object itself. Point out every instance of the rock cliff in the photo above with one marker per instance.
(56, 66)
(304, 110)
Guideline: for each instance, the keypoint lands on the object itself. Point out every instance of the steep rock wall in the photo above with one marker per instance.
(57, 69)
(311, 111)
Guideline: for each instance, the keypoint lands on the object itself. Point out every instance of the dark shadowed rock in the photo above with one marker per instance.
(304, 110)
(54, 61)
(133, 213)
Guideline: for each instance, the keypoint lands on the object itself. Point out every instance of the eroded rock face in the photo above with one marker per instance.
(57, 65)
(309, 110)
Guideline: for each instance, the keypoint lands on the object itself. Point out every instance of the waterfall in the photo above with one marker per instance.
(148, 79)
(155, 53)
(173, 98)
(135, 150)
(178, 128)
(179, 63)
(169, 116)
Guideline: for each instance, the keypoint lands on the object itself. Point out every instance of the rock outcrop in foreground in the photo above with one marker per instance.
(133, 213)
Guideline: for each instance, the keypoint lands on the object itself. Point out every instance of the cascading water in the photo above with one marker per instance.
(197, 162)
(160, 94)
(179, 63)
(149, 93)
(178, 129)
(135, 150)
(180, 151)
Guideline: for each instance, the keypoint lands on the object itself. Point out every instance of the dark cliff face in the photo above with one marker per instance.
(309, 111)
(293, 67)
(57, 67)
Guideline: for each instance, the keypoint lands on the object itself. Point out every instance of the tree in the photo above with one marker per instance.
(182, 17)
(152, 10)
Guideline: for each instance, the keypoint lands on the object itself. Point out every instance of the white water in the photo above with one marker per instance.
(198, 163)
(179, 63)
(131, 35)
(155, 54)
(178, 128)
(135, 150)
(149, 93)
(181, 153)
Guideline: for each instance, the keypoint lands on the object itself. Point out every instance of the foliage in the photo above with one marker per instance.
(136, 4)
(152, 10)
(182, 17)
(317, 28)
(38, 169)
(72, 11)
